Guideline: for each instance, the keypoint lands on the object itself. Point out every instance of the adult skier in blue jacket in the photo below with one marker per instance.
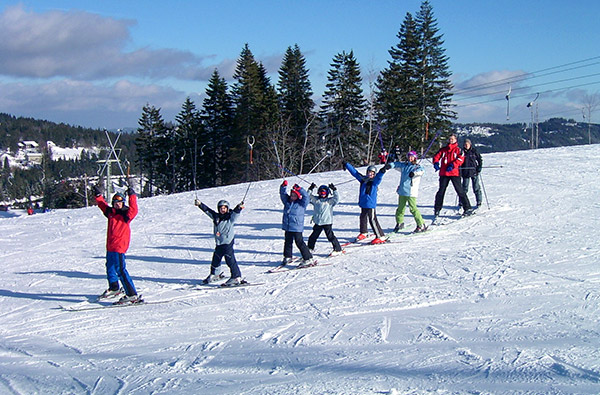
(367, 201)
(294, 208)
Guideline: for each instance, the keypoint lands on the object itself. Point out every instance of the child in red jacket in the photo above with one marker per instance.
(117, 242)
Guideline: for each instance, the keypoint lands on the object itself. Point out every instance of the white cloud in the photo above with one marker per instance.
(83, 45)
(85, 103)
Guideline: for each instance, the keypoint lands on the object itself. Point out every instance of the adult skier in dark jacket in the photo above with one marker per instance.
(470, 170)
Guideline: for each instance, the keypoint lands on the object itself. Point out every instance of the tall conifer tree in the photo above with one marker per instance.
(436, 86)
(216, 140)
(295, 105)
(151, 132)
(188, 131)
(343, 108)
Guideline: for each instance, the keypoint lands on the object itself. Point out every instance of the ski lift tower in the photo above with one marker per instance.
(112, 157)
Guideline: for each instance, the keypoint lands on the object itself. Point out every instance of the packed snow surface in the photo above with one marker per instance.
(505, 301)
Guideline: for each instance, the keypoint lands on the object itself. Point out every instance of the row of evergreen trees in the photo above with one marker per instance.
(255, 130)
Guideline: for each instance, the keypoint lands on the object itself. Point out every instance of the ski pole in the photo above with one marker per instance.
(341, 150)
(484, 192)
(278, 158)
(290, 172)
(430, 144)
(484, 167)
(328, 154)
(246, 194)
(345, 182)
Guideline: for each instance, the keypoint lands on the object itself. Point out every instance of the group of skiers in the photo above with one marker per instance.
(451, 161)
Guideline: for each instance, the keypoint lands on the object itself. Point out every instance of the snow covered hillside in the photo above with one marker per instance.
(505, 301)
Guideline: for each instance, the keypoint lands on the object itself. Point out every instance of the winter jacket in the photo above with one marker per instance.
(118, 233)
(323, 212)
(450, 154)
(222, 223)
(293, 212)
(473, 163)
(408, 186)
(367, 197)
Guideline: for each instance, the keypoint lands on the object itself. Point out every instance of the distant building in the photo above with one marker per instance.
(30, 153)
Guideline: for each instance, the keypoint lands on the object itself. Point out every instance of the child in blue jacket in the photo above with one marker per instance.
(367, 201)
(294, 207)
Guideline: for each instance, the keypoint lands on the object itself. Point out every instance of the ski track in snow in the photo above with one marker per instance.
(505, 301)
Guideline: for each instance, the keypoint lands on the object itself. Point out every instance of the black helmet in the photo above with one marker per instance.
(223, 203)
(323, 191)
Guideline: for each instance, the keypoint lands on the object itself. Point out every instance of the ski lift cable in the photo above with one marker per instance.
(527, 94)
(531, 86)
(533, 73)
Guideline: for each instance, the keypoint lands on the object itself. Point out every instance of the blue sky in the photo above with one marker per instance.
(96, 63)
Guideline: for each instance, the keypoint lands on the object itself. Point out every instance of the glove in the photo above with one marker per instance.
(450, 167)
(130, 191)
(97, 190)
(284, 183)
(382, 170)
(312, 186)
(239, 207)
(411, 174)
(436, 166)
(131, 182)
(332, 187)
(387, 166)
(477, 171)
(296, 187)
(197, 202)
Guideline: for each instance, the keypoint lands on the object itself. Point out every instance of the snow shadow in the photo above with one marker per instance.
(75, 298)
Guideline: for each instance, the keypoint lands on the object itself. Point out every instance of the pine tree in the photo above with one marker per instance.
(295, 105)
(255, 104)
(343, 108)
(436, 86)
(186, 134)
(414, 90)
(216, 139)
(150, 137)
(398, 97)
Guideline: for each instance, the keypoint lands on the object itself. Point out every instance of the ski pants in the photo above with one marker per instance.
(295, 237)
(225, 251)
(412, 206)
(312, 239)
(116, 271)
(369, 217)
(476, 187)
(439, 196)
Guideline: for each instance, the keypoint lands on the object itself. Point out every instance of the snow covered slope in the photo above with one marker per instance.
(506, 301)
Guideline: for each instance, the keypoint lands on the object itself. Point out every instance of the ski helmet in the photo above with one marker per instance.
(412, 153)
(323, 191)
(371, 168)
(118, 197)
(222, 203)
